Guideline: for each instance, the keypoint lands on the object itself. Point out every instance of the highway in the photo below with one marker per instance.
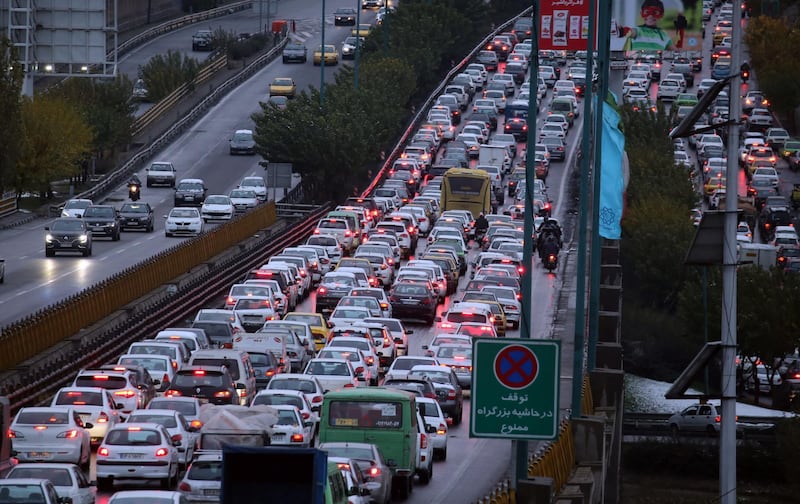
(34, 282)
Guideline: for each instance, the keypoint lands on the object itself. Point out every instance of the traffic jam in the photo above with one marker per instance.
(318, 337)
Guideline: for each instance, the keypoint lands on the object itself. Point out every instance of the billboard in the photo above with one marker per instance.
(75, 37)
(665, 25)
(564, 24)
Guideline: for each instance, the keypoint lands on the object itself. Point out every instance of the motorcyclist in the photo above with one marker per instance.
(796, 196)
(481, 223)
(134, 181)
(549, 227)
(548, 246)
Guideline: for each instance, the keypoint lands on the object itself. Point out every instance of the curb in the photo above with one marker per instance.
(16, 220)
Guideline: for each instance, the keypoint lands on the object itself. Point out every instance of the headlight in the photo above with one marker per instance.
(83, 238)
(64, 213)
(48, 238)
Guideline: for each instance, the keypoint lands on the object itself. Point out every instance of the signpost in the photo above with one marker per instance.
(515, 387)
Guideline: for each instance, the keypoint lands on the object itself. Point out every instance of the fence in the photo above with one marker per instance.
(8, 204)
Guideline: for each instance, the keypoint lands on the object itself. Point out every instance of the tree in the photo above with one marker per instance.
(165, 73)
(111, 115)
(54, 140)
(11, 75)
(773, 45)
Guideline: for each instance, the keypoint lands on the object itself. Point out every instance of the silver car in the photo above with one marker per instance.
(203, 480)
(50, 434)
(142, 451)
(368, 457)
(176, 424)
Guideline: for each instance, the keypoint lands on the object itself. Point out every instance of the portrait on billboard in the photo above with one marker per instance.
(662, 25)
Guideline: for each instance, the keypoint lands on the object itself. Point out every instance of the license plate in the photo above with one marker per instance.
(129, 456)
(189, 197)
(211, 491)
(97, 228)
(39, 454)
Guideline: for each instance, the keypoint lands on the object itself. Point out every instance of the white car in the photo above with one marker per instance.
(291, 429)
(431, 412)
(183, 221)
(177, 425)
(94, 405)
(552, 130)
(744, 233)
(668, 89)
(309, 385)
(217, 207)
(68, 479)
(149, 496)
(295, 398)
(142, 451)
(243, 199)
(75, 207)
(50, 434)
(366, 368)
(333, 374)
(253, 311)
(402, 366)
(345, 315)
(766, 173)
(203, 481)
(255, 184)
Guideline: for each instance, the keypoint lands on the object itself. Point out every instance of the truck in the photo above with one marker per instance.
(762, 255)
(495, 155)
(295, 51)
(231, 425)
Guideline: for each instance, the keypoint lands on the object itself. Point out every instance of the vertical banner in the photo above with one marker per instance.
(564, 24)
(658, 25)
(612, 177)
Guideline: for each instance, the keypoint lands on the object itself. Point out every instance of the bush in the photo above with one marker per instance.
(165, 73)
(244, 48)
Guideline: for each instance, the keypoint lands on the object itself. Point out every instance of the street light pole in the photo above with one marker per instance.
(358, 43)
(322, 60)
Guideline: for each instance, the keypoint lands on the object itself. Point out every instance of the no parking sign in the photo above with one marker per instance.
(515, 388)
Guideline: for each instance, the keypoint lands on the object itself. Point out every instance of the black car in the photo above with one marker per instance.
(487, 116)
(190, 192)
(265, 365)
(514, 179)
(102, 220)
(420, 386)
(580, 85)
(516, 70)
(203, 40)
(220, 334)
(518, 127)
(67, 234)
(772, 217)
(332, 288)
(344, 16)
(136, 216)
(413, 300)
(449, 394)
(209, 384)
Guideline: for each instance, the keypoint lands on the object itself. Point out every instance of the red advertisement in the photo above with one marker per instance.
(564, 24)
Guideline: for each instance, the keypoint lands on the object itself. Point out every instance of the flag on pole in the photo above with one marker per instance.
(612, 181)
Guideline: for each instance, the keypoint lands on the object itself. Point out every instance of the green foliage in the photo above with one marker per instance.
(657, 234)
(55, 139)
(165, 73)
(112, 113)
(787, 446)
(330, 145)
(243, 48)
(654, 345)
(773, 44)
(11, 76)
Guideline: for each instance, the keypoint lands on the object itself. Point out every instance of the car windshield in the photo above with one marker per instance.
(102, 381)
(406, 364)
(184, 213)
(133, 208)
(252, 182)
(305, 386)
(233, 369)
(205, 470)
(217, 200)
(242, 194)
(185, 407)
(457, 353)
(328, 368)
(66, 225)
(191, 186)
(194, 380)
(77, 204)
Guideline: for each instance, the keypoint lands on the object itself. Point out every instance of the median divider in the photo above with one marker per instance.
(165, 105)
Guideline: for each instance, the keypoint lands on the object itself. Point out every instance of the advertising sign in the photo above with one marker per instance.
(564, 24)
(657, 25)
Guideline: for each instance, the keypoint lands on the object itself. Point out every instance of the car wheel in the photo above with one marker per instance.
(105, 484)
(85, 465)
(166, 483)
(49, 252)
(711, 431)
(673, 428)
(427, 476)
(87, 252)
(149, 228)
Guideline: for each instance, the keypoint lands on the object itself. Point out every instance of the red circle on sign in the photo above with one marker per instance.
(516, 366)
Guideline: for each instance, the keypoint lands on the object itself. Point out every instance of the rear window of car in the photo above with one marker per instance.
(363, 414)
(149, 364)
(233, 369)
(79, 398)
(428, 409)
(190, 379)
(305, 386)
(277, 399)
(133, 436)
(205, 470)
(459, 317)
(43, 417)
(167, 421)
(102, 381)
(185, 407)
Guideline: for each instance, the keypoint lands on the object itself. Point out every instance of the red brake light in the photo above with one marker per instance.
(222, 393)
(317, 399)
(199, 372)
(162, 452)
(102, 452)
(127, 394)
(297, 438)
(196, 423)
(102, 418)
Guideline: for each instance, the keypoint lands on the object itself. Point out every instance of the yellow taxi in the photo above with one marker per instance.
(331, 55)
(714, 183)
(282, 86)
(724, 28)
(361, 30)
(320, 328)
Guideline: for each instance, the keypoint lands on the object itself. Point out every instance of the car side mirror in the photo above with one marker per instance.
(88, 425)
(240, 386)
(118, 406)
(430, 429)
(409, 332)
(425, 347)
(177, 442)
(156, 382)
(437, 319)
(192, 428)
(65, 500)
(308, 423)
(47, 228)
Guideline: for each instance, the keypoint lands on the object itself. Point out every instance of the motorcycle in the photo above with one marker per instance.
(551, 262)
(479, 235)
(745, 75)
(134, 191)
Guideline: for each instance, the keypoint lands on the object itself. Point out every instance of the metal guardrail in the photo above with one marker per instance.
(121, 174)
(162, 107)
(8, 204)
(37, 386)
(176, 24)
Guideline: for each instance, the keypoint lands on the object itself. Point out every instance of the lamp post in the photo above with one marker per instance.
(322, 60)
(358, 43)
